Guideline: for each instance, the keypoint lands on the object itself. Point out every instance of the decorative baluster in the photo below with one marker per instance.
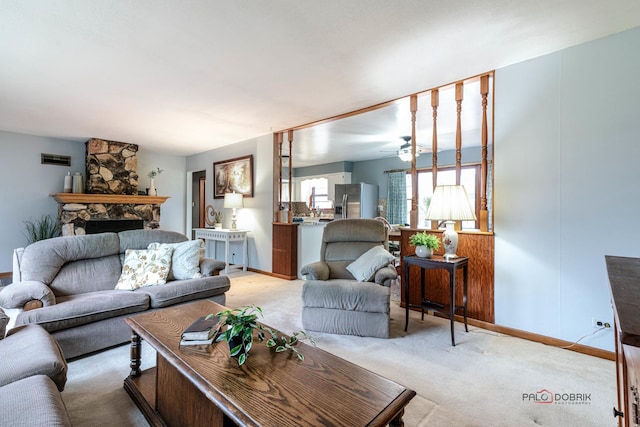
(280, 204)
(414, 173)
(435, 101)
(290, 217)
(484, 215)
(459, 94)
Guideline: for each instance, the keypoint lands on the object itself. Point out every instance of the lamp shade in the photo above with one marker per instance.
(232, 200)
(450, 203)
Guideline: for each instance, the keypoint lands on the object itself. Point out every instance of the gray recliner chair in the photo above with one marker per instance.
(347, 291)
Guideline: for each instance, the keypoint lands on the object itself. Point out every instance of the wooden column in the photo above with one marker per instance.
(435, 101)
(413, 217)
(290, 216)
(279, 142)
(459, 95)
(484, 215)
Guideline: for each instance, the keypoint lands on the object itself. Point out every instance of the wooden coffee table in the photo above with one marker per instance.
(193, 388)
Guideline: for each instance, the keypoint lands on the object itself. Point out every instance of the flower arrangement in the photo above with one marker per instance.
(424, 239)
(155, 173)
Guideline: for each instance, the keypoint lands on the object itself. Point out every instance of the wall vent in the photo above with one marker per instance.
(55, 159)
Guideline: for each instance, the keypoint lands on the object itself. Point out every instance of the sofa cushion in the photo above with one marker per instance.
(185, 259)
(185, 290)
(346, 295)
(75, 310)
(365, 267)
(339, 255)
(32, 402)
(43, 260)
(29, 350)
(140, 239)
(87, 275)
(145, 267)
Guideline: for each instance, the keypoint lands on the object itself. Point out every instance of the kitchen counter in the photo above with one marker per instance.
(309, 241)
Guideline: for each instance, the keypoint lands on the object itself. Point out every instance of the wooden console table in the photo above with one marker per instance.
(226, 236)
(451, 265)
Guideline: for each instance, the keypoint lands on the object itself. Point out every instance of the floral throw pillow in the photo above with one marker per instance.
(185, 261)
(144, 267)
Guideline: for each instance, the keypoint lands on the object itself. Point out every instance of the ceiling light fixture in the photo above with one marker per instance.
(404, 153)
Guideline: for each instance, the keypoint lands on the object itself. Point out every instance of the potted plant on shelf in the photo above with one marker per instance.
(425, 243)
(239, 334)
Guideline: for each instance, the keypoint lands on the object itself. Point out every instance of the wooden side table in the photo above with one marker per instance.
(435, 262)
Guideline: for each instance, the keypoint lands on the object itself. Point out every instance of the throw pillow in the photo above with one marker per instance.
(185, 261)
(143, 267)
(364, 268)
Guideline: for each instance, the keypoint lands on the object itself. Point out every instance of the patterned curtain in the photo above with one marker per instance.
(397, 198)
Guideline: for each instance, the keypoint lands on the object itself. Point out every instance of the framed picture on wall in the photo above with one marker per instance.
(234, 175)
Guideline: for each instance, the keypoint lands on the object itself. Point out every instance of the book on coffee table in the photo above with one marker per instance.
(202, 329)
(197, 342)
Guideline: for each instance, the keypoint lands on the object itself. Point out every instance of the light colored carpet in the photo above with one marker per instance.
(479, 382)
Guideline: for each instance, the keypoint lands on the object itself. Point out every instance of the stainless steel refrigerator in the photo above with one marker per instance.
(356, 200)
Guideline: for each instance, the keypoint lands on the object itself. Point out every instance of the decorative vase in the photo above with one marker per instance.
(152, 188)
(218, 225)
(423, 251)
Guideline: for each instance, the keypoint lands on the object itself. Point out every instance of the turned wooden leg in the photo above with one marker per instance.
(135, 355)
(397, 420)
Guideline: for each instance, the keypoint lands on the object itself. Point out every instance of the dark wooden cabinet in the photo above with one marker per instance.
(624, 280)
(284, 252)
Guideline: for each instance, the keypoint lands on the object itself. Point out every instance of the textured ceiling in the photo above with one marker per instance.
(187, 77)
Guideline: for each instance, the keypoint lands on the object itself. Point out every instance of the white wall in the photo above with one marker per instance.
(26, 184)
(171, 182)
(566, 185)
(256, 216)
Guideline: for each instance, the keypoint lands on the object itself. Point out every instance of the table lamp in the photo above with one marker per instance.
(233, 201)
(450, 203)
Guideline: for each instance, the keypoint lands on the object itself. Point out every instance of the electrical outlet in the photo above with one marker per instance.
(597, 323)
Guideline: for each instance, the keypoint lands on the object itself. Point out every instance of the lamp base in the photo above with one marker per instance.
(234, 224)
(450, 240)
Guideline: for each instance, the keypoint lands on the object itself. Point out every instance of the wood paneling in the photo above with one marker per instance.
(479, 248)
(284, 252)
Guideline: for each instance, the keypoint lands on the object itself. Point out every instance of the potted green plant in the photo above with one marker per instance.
(425, 243)
(239, 334)
(44, 228)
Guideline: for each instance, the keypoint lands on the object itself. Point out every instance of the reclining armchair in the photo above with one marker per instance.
(348, 290)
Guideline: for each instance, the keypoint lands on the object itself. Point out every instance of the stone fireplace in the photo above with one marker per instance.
(111, 191)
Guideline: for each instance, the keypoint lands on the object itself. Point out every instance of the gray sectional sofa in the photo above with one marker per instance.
(33, 374)
(67, 285)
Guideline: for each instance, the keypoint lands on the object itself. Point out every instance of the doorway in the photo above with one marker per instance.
(198, 197)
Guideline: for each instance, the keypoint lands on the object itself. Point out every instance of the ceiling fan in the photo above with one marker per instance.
(404, 153)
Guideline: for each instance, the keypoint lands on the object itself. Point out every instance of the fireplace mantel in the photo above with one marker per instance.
(108, 199)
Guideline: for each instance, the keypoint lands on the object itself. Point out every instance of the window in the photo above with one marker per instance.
(315, 192)
(469, 178)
